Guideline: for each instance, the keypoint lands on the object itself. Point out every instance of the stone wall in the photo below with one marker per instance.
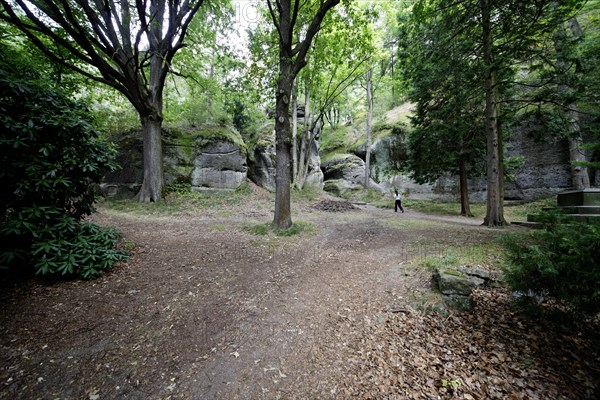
(545, 172)
(210, 157)
(206, 158)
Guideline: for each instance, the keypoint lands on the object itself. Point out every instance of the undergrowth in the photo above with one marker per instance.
(560, 261)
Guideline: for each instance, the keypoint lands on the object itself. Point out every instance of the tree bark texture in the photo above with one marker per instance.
(465, 207)
(294, 133)
(151, 189)
(283, 217)
(369, 82)
(580, 178)
(494, 214)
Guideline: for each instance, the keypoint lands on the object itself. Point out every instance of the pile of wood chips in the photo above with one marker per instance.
(335, 205)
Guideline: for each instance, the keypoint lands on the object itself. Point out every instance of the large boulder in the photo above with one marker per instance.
(206, 157)
(210, 157)
(346, 172)
(457, 284)
(261, 158)
(315, 175)
(219, 165)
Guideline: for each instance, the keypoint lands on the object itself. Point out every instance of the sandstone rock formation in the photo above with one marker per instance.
(346, 172)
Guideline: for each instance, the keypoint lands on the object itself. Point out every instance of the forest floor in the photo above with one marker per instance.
(206, 309)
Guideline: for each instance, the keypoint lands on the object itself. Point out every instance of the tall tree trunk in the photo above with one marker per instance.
(301, 160)
(500, 164)
(580, 178)
(283, 217)
(292, 58)
(494, 215)
(392, 73)
(294, 133)
(465, 207)
(369, 83)
(349, 110)
(209, 94)
(307, 152)
(304, 142)
(151, 190)
(306, 108)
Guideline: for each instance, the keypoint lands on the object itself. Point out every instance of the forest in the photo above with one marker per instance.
(198, 199)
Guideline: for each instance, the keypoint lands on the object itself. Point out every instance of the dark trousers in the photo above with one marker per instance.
(398, 205)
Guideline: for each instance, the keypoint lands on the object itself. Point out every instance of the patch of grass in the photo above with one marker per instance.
(443, 208)
(267, 228)
(178, 198)
(261, 229)
(512, 212)
(308, 192)
(440, 256)
(371, 196)
(412, 223)
(447, 260)
(127, 245)
(430, 303)
(519, 212)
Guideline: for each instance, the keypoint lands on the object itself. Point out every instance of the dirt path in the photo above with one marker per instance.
(205, 310)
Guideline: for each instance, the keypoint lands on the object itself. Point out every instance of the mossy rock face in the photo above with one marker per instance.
(202, 136)
(452, 282)
(220, 165)
(340, 187)
(209, 156)
(131, 161)
(345, 172)
(343, 166)
(261, 157)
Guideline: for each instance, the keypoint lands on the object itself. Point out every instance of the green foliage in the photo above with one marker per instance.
(336, 140)
(51, 158)
(57, 243)
(560, 261)
(240, 115)
(448, 117)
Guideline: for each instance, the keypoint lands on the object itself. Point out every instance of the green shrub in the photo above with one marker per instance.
(51, 158)
(54, 242)
(562, 261)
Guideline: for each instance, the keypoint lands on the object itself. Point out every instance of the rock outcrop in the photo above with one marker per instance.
(206, 158)
(346, 172)
(315, 175)
(457, 284)
(219, 165)
(545, 172)
(261, 158)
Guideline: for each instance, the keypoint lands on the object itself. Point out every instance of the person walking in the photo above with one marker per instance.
(398, 204)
